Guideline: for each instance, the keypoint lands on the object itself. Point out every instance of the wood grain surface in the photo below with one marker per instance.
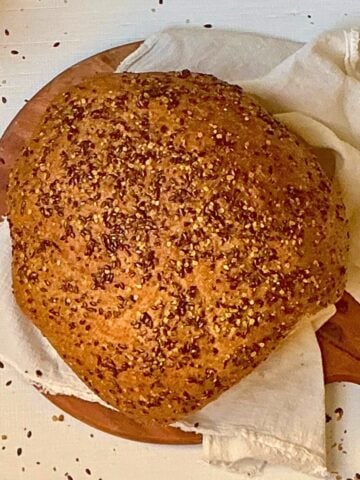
(339, 338)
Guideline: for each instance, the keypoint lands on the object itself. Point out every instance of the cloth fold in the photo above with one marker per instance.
(275, 416)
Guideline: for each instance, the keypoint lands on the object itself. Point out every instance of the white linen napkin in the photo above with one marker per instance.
(275, 416)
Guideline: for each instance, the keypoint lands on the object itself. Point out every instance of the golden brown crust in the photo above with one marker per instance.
(167, 233)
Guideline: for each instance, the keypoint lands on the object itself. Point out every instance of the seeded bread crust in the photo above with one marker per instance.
(167, 234)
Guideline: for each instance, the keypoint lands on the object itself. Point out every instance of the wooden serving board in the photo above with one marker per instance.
(339, 338)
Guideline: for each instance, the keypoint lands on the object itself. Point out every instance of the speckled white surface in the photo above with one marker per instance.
(50, 35)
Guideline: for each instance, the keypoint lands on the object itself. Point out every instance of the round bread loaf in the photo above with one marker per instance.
(167, 234)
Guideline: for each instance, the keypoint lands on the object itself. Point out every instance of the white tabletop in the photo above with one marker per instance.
(50, 35)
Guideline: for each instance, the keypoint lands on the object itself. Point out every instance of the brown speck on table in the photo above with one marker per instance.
(88, 471)
(19, 452)
(8, 383)
(91, 435)
(38, 373)
(339, 413)
(1, 363)
(161, 2)
(208, 25)
(59, 418)
(69, 477)
(3, 99)
(14, 52)
(38, 463)
(29, 434)
(4, 437)
(23, 57)
(56, 44)
(7, 33)
(328, 418)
